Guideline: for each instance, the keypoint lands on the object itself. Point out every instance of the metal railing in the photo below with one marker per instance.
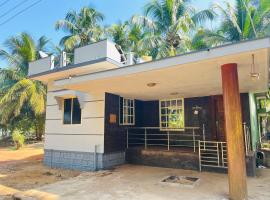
(156, 136)
(212, 154)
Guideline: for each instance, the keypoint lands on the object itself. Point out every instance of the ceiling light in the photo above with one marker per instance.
(174, 93)
(253, 74)
(151, 84)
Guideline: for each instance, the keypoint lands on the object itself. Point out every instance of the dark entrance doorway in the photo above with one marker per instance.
(218, 122)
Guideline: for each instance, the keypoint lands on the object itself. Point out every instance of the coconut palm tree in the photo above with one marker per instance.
(172, 21)
(131, 37)
(21, 50)
(17, 92)
(248, 19)
(82, 28)
(205, 38)
(119, 34)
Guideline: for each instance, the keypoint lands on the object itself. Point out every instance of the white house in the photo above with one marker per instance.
(104, 110)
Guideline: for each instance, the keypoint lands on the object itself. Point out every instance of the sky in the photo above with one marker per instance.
(40, 19)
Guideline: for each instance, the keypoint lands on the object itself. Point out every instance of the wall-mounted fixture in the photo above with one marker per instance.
(196, 109)
(254, 74)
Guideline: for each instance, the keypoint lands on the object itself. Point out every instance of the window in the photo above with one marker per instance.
(172, 114)
(72, 111)
(261, 102)
(127, 111)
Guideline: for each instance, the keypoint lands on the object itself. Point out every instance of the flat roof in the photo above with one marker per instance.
(189, 57)
(191, 74)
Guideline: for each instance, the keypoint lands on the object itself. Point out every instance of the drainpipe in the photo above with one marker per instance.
(95, 158)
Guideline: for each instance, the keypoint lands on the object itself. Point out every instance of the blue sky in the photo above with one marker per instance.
(40, 19)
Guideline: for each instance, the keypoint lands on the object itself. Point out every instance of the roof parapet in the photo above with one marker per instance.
(92, 52)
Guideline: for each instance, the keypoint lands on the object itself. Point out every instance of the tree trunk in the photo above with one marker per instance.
(40, 127)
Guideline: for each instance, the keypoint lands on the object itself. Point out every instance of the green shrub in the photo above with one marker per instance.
(18, 139)
(265, 145)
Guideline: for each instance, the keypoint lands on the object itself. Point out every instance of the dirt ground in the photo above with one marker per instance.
(22, 174)
(144, 183)
(23, 170)
(30, 152)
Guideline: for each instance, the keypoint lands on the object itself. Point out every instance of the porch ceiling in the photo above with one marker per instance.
(192, 75)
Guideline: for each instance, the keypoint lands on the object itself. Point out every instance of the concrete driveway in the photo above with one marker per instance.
(133, 182)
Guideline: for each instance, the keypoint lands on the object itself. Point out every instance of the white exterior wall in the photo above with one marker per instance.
(95, 51)
(80, 137)
(41, 65)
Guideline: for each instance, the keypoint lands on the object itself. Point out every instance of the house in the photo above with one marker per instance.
(194, 111)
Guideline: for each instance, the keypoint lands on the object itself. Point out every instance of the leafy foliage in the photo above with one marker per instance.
(18, 94)
(248, 19)
(171, 22)
(82, 28)
(18, 139)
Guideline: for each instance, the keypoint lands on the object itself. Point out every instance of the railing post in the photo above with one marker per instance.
(222, 155)
(204, 132)
(200, 166)
(127, 138)
(145, 138)
(218, 155)
(168, 137)
(194, 144)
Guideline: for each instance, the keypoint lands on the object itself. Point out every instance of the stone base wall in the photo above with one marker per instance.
(84, 161)
(169, 159)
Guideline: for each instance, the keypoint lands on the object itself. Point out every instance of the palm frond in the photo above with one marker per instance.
(72, 41)
(144, 22)
(66, 26)
(42, 43)
(199, 18)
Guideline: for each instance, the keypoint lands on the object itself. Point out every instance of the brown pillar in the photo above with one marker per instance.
(234, 132)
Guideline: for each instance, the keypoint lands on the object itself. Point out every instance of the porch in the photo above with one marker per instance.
(188, 134)
(185, 149)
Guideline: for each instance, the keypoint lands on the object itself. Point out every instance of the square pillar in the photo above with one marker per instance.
(234, 132)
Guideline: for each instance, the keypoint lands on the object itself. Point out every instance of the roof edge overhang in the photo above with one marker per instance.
(191, 57)
(72, 67)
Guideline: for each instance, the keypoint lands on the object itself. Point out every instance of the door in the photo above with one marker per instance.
(218, 120)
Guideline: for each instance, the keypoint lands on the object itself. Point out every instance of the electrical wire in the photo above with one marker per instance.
(11, 9)
(4, 3)
(20, 12)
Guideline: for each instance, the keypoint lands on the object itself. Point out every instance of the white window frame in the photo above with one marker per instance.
(178, 107)
(63, 113)
(124, 123)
